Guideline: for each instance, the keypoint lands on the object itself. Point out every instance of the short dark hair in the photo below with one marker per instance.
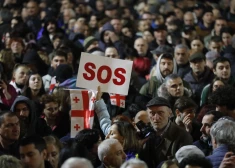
(88, 137)
(7, 113)
(183, 103)
(221, 60)
(215, 39)
(217, 115)
(171, 76)
(60, 53)
(195, 160)
(167, 56)
(224, 96)
(226, 30)
(36, 140)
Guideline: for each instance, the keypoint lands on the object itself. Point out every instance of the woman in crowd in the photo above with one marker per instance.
(123, 131)
(54, 147)
(35, 90)
(20, 77)
(7, 92)
(35, 87)
(126, 134)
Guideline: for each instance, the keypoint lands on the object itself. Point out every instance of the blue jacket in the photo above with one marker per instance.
(218, 155)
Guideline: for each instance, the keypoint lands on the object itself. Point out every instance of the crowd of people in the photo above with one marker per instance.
(180, 107)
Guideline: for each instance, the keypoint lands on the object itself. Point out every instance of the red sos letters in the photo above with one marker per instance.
(90, 74)
(112, 75)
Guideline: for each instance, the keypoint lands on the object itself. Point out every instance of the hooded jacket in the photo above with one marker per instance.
(32, 113)
(118, 44)
(36, 125)
(151, 87)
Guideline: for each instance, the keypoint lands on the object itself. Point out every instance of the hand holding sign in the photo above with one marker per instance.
(112, 75)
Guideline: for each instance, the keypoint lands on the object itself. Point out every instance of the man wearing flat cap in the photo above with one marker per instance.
(199, 76)
(167, 138)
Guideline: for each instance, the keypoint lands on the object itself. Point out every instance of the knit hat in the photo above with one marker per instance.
(197, 56)
(88, 41)
(158, 101)
(63, 72)
(187, 151)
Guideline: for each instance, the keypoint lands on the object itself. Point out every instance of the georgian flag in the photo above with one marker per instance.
(117, 100)
(52, 84)
(82, 110)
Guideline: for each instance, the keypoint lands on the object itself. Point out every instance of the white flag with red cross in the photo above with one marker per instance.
(52, 84)
(117, 100)
(82, 110)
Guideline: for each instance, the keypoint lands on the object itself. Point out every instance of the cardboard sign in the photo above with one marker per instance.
(112, 75)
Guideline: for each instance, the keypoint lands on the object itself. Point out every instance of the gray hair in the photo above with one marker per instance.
(134, 162)
(171, 77)
(71, 11)
(8, 161)
(104, 148)
(78, 162)
(181, 46)
(223, 132)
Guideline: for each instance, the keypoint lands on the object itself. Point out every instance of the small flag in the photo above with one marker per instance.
(82, 110)
(117, 100)
(53, 83)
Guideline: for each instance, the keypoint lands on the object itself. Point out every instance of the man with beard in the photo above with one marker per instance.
(199, 76)
(165, 65)
(29, 123)
(49, 30)
(205, 140)
(9, 133)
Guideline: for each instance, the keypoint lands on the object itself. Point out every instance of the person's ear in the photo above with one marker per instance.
(106, 160)
(177, 112)
(44, 154)
(214, 71)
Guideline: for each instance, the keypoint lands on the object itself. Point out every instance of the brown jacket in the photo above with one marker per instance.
(158, 149)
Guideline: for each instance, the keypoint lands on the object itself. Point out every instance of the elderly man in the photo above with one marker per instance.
(111, 154)
(181, 55)
(76, 162)
(134, 163)
(167, 138)
(223, 138)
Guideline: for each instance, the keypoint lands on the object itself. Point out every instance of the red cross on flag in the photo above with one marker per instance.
(117, 100)
(52, 84)
(82, 110)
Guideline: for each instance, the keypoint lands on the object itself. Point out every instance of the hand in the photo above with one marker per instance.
(99, 94)
(188, 123)
(3, 86)
(228, 161)
(113, 37)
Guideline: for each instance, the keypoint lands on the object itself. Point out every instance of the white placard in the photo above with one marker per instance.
(112, 75)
